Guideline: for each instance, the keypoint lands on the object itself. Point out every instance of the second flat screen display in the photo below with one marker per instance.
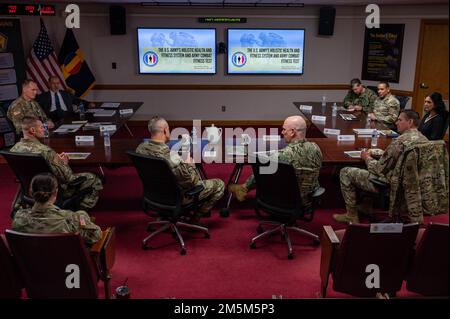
(266, 51)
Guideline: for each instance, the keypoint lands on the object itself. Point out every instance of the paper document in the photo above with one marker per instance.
(363, 131)
(110, 105)
(75, 155)
(353, 154)
(68, 128)
(348, 117)
(102, 112)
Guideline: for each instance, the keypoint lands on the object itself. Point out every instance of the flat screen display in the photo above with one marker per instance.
(266, 51)
(176, 51)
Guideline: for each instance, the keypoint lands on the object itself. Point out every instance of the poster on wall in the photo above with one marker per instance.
(383, 53)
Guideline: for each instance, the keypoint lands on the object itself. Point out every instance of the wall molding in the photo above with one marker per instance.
(228, 87)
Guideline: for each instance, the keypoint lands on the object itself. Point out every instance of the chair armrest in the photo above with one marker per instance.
(330, 243)
(379, 183)
(77, 181)
(194, 191)
(104, 251)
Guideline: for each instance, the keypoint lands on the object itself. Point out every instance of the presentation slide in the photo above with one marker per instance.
(265, 51)
(177, 50)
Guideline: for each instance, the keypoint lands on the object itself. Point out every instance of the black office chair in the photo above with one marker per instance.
(403, 101)
(278, 194)
(163, 195)
(25, 167)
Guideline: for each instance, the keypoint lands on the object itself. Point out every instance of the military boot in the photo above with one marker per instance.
(240, 191)
(346, 218)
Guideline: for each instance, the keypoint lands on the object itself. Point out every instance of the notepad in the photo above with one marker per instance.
(102, 112)
(110, 105)
(348, 117)
(77, 156)
(68, 128)
(353, 154)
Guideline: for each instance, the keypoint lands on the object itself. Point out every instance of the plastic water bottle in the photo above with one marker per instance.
(46, 132)
(82, 111)
(106, 139)
(374, 140)
(324, 100)
(368, 122)
(334, 109)
(194, 135)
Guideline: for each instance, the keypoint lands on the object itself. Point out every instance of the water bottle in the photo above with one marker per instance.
(324, 100)
(106, 139)
(374, 140)
(334, 110)
(46, 132)
(82, 111)
(194, 135)
(368, 122)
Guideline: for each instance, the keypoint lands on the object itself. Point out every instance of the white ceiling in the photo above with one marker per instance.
(255, 3)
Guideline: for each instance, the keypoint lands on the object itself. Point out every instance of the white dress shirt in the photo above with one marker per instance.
(61, 101)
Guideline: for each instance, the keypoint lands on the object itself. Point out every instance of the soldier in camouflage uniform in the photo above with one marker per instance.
(185, 172)
(304, 156)
(359, 98)
(33, 130)
(25, 105)
(386, 107)
(46, 218)
(353, 178)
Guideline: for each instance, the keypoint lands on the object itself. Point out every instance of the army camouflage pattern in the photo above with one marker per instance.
(421, 183)
(365, 99)
(352, 179)
(20, 108)
(306, 158)
(386, 110)
(186, 174)
(62, 171)
(50, 219)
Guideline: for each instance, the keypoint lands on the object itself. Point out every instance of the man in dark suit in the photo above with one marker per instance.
(57, 103)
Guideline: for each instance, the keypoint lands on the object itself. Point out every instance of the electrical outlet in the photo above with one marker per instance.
(224, 108)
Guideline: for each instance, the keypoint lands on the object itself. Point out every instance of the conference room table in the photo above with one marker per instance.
(332, 149)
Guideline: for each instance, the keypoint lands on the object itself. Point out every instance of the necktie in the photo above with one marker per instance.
(59, 110)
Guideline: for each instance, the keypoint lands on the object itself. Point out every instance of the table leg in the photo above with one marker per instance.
(236, 174)
(128, 129)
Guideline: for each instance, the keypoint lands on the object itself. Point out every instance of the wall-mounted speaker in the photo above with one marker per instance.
(326, 20)
(222, 47)
(117, 21)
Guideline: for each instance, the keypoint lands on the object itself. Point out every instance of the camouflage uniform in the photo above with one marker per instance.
(186, 175)
(386, 110)
(50, 219)
(20, 108)
(365, 99)
(353, 178)
(62, 171)
(306, 158)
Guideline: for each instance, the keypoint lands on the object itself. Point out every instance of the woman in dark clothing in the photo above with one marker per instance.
(435, 121)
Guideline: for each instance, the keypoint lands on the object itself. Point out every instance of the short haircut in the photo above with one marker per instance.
(386, 84)
(28, 122)
(42, 187)
(52, 77)
(27, 82)
(355, 81)
(412, 115)
(156, 125)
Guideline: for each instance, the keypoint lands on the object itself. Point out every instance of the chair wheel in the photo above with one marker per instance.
(207, 236)
(183, 251)
(253, 245)
(316, 242)
(145, 247)
(290, 256)
(224, 213)
(259, 229)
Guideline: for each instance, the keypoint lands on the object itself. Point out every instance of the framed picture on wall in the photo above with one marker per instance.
(383, 53)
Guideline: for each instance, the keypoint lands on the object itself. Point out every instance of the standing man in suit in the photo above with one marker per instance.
(58, 103)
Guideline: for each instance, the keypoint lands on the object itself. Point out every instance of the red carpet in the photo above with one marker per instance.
(220, 267)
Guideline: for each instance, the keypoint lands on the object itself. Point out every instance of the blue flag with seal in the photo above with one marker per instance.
(75, 69)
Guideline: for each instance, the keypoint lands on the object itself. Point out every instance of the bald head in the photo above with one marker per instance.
(294, 128)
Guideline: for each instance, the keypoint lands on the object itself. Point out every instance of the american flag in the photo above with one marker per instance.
(42, 62)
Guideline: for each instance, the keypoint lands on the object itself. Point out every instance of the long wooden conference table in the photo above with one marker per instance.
(332, 149)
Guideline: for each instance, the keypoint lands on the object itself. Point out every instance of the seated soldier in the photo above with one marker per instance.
(304, 156)
(386, 107)
(33, 131)
(359, 97)
(185, 172)
(44, 217)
